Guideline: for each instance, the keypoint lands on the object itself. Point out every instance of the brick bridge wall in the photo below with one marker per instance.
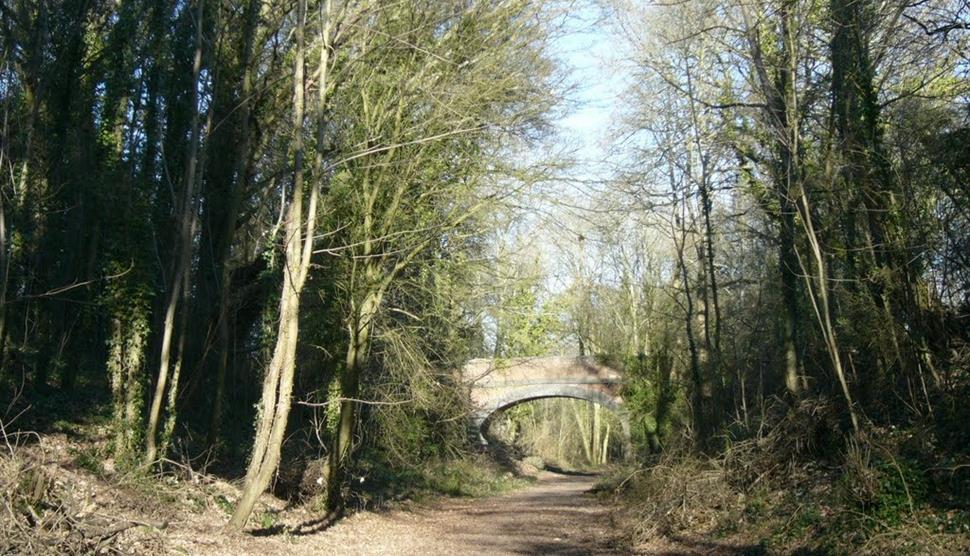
(495, 384)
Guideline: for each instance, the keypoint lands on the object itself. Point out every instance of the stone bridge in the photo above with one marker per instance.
(496, 384)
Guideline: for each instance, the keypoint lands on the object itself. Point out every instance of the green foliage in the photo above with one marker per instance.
(566, 433)
(224, 504)
(90, 458)
(333, 407)
(901, 490)
(890, 489)
(467, 476)
(755, 507)
(127, 349)
(527, 327)
(846, 119)
(268, 520)
(655, 401)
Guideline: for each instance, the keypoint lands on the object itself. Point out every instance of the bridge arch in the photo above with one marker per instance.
(495, 385)
(480, 419)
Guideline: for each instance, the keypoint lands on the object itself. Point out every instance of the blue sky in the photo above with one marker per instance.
(591, 51)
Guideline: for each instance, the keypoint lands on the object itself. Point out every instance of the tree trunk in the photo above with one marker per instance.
(183, 253)
(777, 84)
(278, 384)
(358, 346)
(239, 184)
(604, 451)
(595, 441)
(697, 377)
(582, 425)
(820, 301)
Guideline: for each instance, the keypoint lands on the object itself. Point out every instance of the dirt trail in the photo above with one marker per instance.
(554, 516)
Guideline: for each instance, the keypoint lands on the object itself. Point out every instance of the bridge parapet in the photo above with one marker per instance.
(491, 373)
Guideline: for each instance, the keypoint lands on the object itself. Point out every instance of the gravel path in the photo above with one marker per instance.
(554, 516)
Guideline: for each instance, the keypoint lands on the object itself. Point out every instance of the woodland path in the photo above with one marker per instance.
(554, 516)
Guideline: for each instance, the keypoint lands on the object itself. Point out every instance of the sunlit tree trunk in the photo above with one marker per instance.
(300, 228)
(582, 426)
(596, 441)
(776, 83)
(820, 300)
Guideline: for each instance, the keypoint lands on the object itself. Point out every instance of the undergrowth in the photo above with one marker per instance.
(61, 491)
(47, 508)
(375, 484)
(795, 486)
